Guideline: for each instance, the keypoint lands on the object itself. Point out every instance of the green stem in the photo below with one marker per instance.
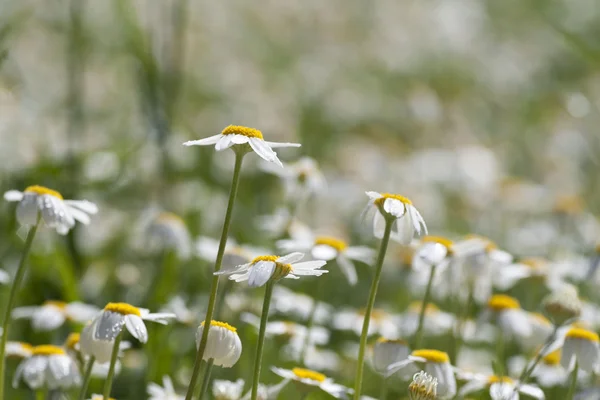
(11, 301)
(86, 377)
(311, 320)
(206, 378)
(419, 333)
(261, 339)
(111, 369)
(573, 381)
(239, 156)
(40, 394)
(365, 329)
(528, 370)
(384, 389)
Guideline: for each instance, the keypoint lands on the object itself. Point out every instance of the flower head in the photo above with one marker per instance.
(563, 304)
(56, 212)
(312, 379)
(583, 346)
(423, 387)
(164, 392)
(244, 139)
(301, 178)
(227, 390)
(500, 387)
(167, 231)
(48, 366)
(387, 352)
(53, 314)
(223, 345)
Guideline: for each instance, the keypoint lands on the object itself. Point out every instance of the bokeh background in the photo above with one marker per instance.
(484, 113)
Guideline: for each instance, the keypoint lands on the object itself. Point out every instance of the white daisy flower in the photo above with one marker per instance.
(432, 251)
(4, 277)
(53, 314)
(223, 345)
(500, 388)
(18, 349)
(381, 322)
(265, 392)
(48, 367)
(164, 392)
(235, 254)
(312, 379)
(301, 178)
(299, 305)
(436, 322)
(423, 387)
(548, 372)
(330, 248)
(387, 352)
(513, 321)
(168, 231)
(99, 370)
(236, 136)
(227, 390)
(97, 338)
(582, 346)
(408, 220)
(282, 223)
(56, 212)
(177, 306)
(262, 268)
(435, 363)
(534, 269)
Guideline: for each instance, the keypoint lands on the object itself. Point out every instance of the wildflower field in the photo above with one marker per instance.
(296, 200)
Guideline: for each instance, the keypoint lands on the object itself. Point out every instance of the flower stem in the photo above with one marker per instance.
(86, 377)
(40, 394)
(573, 385)
(206, 378)
(111, 369)
(384, 389)
(11, 301)
(365, 329)
(528, 370)
(419, 333)
(261, 338)
(239, 156)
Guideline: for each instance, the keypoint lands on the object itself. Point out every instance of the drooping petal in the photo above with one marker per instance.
(394, 207)
(260, 273)
(135, 325)
(275, 145)
(223, 143)
(348, 269)
(204, 142)
(308, 265)
(239, 139)
(264, 151)
(291, 258)
(532, 391)
(83, 205)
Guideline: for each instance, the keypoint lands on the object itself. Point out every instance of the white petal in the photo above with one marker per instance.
(160, 318)
(264, 151)
(223, 143)
(348, 269)
(23, 312)
(290, 258)
(392, 369)
(394, 207)
(361, 253)
(13, 195)
(324, 252)
(503, 391)
(80, 216)
(83, 205)
(135, 325)
(239, 139)
(275, 145)
(80, 312)
(260, 273)
(405, 230)
(374, 195)
(47, 318)
(471, 387)
(532, 391)
(308, 265)
(204, 142)
(378, 225)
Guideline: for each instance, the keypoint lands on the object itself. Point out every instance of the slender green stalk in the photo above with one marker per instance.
(86, 378)
(528, 370)
(384, 389)
(239, 156)
(111, 369)
(206, 378)
(11, 301)
(40, 394)
(371, 302)
(419, 333)
(261, 339)
(573, 384)
(311, 320)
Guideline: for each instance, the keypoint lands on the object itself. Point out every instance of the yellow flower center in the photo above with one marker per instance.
(41, 190)
(501, 302)
(552, 358)
(385, 196)
(376, 314)
(242, 130)
(579, 333)
(489, 245)
(337, 244)
(434, 356)
(281, 270)
(123, 308)
(47, 350)
(535, 263)
(447, 243)
(169, 217)
(26, 346)
(265, 258)
(58, 304)
(499, 379)
(308, 374)
(541, 319)
(393, 341)
(415, 306)
(72, 340)
(222, 325)
(569, 205)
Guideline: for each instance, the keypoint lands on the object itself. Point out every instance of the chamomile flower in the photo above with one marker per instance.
(408, 220)
(500, 388)
(301, 178)
(244, 138)
(381, 322)
(432, 251)
(533, 269)
(548, 372)
(177, 306)
(235, 254)
(164, 392)
(299, 305)
(223, 345)
(48, 367)
(512, 320)
(262, 268)
(435, 363)
(436, 322)
(330, 248)
(98, 337)
(4, 277)
(423, 387)
(167, 231)
(387, 352)
(582, 346)
(227, 390)
(18, 349)
(56, 212)
(307, 379)
(53, 314)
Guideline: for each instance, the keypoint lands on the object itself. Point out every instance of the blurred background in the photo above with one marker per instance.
(484, 113)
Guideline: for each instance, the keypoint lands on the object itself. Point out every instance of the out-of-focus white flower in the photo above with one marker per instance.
(500, 388)
(282, 223)
(548, 372)
(238, 136)
(423, 387)
(436, 322)
(4, 277)
(563, 304)
(387, 352)
(308, 378)
(98, 337)
(318, 359)
(329, 248)
(435, 363)
(301, 178)
(262, 268)
(164, 392)
(227, 390)
(298, 305)
(18, 349)
(52, 314)
(178, 307)
(48, 366)
(408, 220)
(432, 251)
(535, 269)
(381, 323)
(512, 320)
(56, 212)
(223, 345)
(581, 346)
(235, 254)
(167, 231)
(265, 392)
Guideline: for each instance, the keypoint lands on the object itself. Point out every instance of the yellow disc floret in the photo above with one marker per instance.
(499, 302)
(392, 341)
(169, 217)
(72, 340)
(41, 190)
(385, 196)
(123, 308)
(552, 358)
(434, 356)
(47, 350)
(220, 324)
(499, 379)
(584, 334)
(447, 243)
(265, 258)
(56, 303)
(337, 244)
(308, 374)
(242, 130)
(415, 307)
